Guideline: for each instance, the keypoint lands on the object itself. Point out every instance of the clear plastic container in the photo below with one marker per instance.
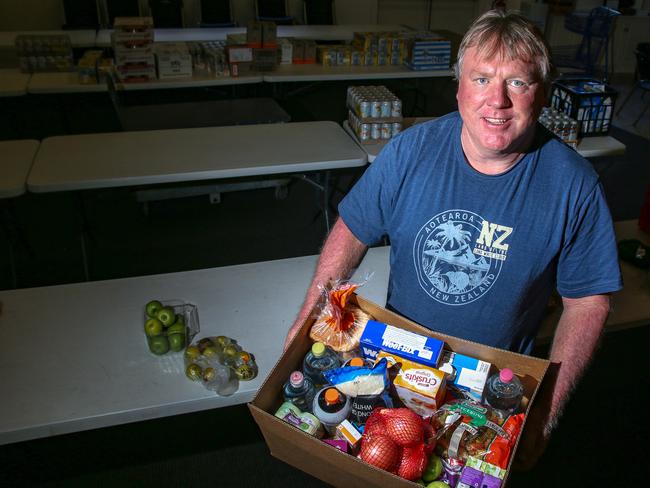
(504, 391)
(299, 391)
(331, 407)
(318, 360)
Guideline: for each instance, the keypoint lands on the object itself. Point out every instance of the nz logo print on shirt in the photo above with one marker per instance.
(458, 256)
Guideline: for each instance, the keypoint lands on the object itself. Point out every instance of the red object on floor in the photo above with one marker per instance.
(644, 217)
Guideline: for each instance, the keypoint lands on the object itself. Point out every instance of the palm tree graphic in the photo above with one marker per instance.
(452, 236)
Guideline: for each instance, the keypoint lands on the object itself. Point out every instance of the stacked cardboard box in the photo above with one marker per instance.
(132, 42)
(428, 51)
(381, 48)
(173, 60)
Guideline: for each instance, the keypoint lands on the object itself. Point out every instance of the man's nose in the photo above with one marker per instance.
(498, 95)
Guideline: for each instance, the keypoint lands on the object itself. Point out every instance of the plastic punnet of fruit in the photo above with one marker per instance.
(170, 325)
(219, 363)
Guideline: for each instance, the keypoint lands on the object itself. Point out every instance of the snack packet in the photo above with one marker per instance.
(466, 428)
(340, 323)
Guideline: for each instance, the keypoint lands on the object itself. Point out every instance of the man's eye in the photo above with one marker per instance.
(517, 83)
(481, 81)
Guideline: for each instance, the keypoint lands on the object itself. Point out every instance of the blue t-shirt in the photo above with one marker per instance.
(477, 256)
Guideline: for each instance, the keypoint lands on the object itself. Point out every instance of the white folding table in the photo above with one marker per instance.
(589, 147)
(318, 72)
(75, 356)
(122, 159)
(81, 162)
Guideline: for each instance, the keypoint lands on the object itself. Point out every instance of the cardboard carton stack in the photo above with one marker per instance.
(427, 51)
(257, 50)
(132, 42)
(173, 60)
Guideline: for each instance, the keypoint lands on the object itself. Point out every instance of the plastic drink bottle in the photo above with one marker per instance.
(299, 391)
(331, 407)
(318, 360)
(504, 391)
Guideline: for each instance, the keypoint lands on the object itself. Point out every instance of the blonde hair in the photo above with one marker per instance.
(511, 36)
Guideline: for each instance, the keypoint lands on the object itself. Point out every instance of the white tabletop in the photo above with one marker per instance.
(343, 32)
(589, 147)
(314, 32)
(61, 82)
(318, 72)
(13, 82)
(75, 356)
(17, 158)
(194, 81)
(87, 161)
(78, 38)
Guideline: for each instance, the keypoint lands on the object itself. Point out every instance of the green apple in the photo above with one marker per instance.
(437, 484)
(152, 308)
(153, 327)
(176, 329)
(176, 342)
(433, 469)
(166, 316)
(158, 344)
(180, 319)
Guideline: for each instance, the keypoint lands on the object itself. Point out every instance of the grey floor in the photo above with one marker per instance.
(600, 442)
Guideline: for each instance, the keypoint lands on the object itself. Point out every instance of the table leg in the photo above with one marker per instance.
(83, 235)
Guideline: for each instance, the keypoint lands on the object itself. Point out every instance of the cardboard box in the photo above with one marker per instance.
(254, 34)
(325, 462)
(269, 34)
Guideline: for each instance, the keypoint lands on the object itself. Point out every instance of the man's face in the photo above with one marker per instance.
(499, 101)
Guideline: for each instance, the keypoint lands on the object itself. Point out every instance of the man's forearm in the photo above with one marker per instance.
(576, 338)
(341, 254)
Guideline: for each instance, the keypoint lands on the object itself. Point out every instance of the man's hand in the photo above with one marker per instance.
(576, 339)
(539, 424)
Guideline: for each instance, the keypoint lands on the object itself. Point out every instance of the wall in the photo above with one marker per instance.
(48, 14)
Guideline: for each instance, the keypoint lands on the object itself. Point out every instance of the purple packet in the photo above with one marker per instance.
(451, 470)
(470, 478)
(490, 481)
(338, 443)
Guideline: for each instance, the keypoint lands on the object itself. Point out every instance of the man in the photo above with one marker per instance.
(486, 213)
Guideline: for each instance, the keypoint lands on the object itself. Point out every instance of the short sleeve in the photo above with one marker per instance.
(588, 263)
(367, 209)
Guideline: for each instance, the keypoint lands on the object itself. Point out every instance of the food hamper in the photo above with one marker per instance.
(324, 461)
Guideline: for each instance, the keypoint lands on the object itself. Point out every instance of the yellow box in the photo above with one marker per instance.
(421, 388)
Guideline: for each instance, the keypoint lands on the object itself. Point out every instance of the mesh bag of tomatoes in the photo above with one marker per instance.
(399, 441)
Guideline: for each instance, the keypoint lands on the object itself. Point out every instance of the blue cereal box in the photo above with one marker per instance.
(409, 345)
